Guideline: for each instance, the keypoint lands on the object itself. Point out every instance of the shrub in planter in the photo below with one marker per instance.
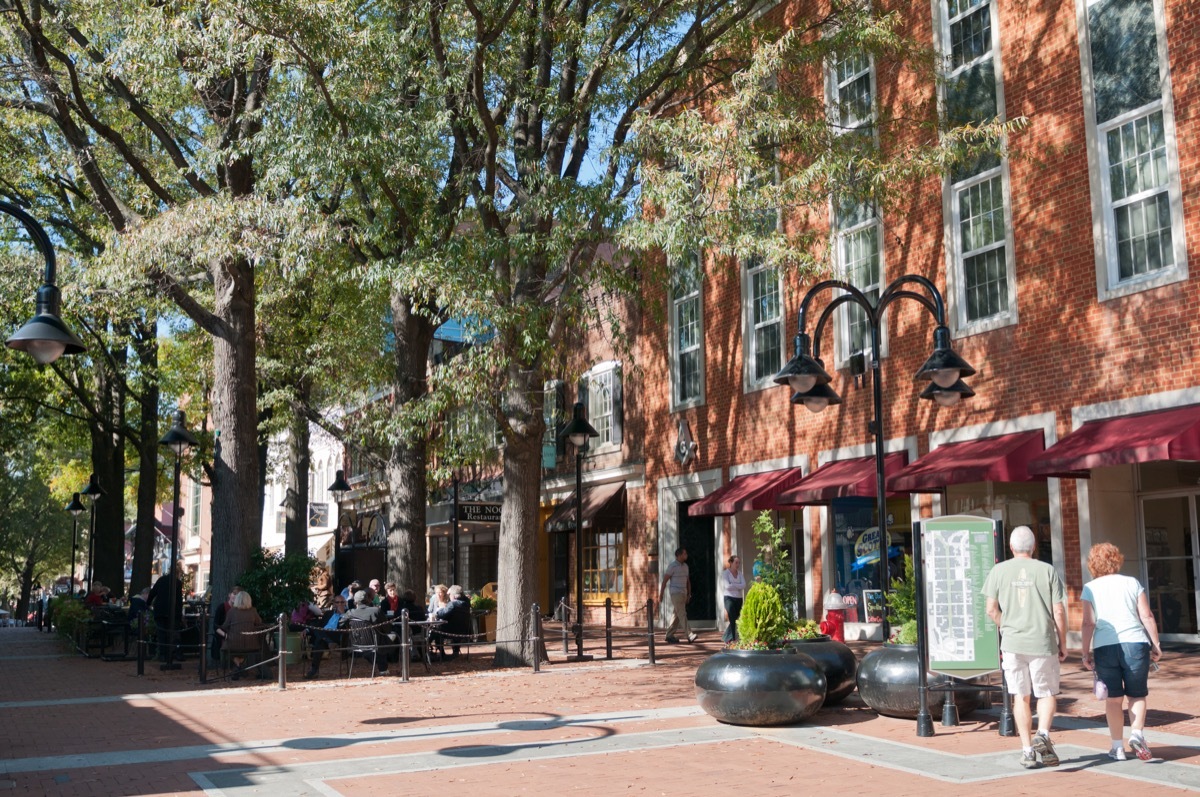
(277, 583)
(69, 613)
(764, 621)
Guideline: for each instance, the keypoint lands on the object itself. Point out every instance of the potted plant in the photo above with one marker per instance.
(889, 676)
(276, 584)
(758, 680)
(835, 658)
(484, 608)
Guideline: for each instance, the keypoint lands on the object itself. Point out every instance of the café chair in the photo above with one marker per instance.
(364, 641)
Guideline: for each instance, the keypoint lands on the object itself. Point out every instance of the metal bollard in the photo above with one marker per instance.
(141, 644)
(282, 648)
(566, 621)
(608, 628)
(535, 622)
(650, 626)
(203, 644)
(405, 645)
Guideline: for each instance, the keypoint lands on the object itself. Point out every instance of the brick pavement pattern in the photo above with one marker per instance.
(76, 726)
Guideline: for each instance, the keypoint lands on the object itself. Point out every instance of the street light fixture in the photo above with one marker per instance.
(75, 508)
(339, 488)
(806, 376)
(93, 491)
(578, 431)
(178, 439)
(45, 337)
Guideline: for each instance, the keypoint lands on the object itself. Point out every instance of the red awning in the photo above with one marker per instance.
(841, 479)
(749, 492)
(1148, 437)
(991, 459)
(595, 499)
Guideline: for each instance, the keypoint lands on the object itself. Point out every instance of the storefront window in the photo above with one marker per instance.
(1018, 504)
(856, 550)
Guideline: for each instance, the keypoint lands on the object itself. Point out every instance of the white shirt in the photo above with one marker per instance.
(1114, 605)
(733, 586)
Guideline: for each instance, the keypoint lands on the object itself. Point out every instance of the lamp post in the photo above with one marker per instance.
(338, 489)
(578, 431)
(454, 534)
(93, 492)
(806, 376)
(45, 337)
(178, 439)
(75, 507)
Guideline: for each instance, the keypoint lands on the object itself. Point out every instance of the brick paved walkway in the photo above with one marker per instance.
(76, 726)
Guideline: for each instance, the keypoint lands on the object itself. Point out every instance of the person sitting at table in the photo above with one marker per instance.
(219, 615)
(438, 600)
(237, 631)
(375, 592)
(374, 615)
(457, 616)
(391, 600)
(327, 636)
(351, 588)
(304, 615)
(138, 605)
(97, 596)
(409, 601)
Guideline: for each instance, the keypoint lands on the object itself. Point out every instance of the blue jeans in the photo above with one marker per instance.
(1124, 668)
(733, 607)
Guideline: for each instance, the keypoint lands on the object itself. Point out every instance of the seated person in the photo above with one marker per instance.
(374, 615)
(97, 596)
(138, 605)
(329, 635)
(391, 600)
(409, 601)
(304, 615)
(237, 632)
(457, 616)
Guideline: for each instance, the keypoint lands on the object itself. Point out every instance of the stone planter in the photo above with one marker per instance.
(767, 687)
(888, 682)
(836, 660)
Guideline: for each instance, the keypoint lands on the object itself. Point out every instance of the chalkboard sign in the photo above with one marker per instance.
(958, 552)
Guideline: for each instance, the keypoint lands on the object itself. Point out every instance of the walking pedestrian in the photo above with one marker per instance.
(1120, 640)
(733, 591)
(677, 578)
(1026, 600)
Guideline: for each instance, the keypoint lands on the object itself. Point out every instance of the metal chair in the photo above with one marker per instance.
(364, 641)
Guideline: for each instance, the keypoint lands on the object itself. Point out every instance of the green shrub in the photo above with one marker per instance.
(480, 603)
(67, 614)
(805, 629)
(764, 621)
(770, 542)
(902, 599)
(905, 634)
(277, 583)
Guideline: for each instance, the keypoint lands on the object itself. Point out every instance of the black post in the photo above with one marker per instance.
(650, 627)
(405, 645)
(171, 583)
(454, 526)
(535, 625)
(608, 628)
(202, 620)
(282, 648)
(1007, 725)
(141, 644)
(566, 619)
(91, 539)
(880, 486)
(74, 539)
(578, 553)
(924, 719)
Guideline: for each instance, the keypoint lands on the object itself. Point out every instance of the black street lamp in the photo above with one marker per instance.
(806, 376)
(45, 337)
(75, 508)
(339, 488)
(92, 491)
(578, 431)
(454, 535)
(178, 439)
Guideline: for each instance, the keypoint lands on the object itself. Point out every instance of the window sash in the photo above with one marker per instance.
(766, 319)
(600, 404)
(859, 252)
(604, 564)
(687, 335)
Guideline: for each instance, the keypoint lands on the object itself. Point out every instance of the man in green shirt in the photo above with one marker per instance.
(1026, 600)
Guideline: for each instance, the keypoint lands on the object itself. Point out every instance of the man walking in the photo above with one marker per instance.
(680, 582)
(1026, 600)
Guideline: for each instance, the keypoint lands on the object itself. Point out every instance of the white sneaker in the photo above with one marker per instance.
(692, 636)
(1138, 745)
(1117, 754)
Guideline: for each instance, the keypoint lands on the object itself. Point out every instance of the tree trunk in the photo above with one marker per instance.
(406, 465)
(299, 463)
(147, 495)
(236, 506)
(108, 546)
(517, 581)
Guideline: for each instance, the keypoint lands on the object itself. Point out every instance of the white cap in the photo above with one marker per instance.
(834, 601)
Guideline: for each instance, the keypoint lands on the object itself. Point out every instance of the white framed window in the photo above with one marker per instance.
(857, 228)
(762, 320)
(193, 514)
(601, 393)
(981, 268)
(1132, 153)
(687, 334)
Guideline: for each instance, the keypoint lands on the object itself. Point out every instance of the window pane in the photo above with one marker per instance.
(986, 284)
(1137, 156)
(1124, 49)
(1144, 241)
(971, 95)
(600, 405)
(971, 37)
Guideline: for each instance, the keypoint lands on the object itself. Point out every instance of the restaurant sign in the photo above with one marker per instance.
(479, 513)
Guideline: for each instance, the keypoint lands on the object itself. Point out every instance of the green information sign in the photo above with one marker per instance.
(958, 552)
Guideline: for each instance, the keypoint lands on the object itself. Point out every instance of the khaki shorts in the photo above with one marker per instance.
(1025, 674)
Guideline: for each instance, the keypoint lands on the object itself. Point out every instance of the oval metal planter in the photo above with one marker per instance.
(760, 687)
(888, 682)
(836, 660)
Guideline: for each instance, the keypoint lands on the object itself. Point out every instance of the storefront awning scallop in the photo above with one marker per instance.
(1147, 437)
(754, 491)
(602, 498)
(842, 479)
(991, 459)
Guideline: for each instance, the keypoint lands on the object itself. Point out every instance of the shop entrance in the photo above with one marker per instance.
(1170, 543)
(698, 536)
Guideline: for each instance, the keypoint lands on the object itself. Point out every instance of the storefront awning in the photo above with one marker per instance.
(991, 459)
(754, 491)
(841, 479)
(597, 499)
(1148, 437)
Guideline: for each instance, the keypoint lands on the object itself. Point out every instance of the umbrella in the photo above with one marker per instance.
(4, 613)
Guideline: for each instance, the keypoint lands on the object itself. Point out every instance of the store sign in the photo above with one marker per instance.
(479, 513)
(868, 542)
(318, 516)
(958, 552)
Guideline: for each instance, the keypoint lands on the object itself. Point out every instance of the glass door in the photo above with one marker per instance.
(1169, 525)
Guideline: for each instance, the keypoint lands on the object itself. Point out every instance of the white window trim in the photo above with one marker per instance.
(1103, 223)
(675, 354)
(750, 384)
(608, 366)
(955, 277)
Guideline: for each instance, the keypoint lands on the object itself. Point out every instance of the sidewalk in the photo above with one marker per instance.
(75, 726)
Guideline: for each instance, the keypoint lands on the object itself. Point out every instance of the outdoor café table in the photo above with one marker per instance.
(427, 626)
